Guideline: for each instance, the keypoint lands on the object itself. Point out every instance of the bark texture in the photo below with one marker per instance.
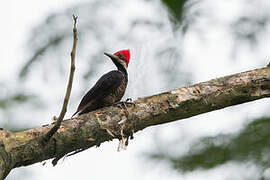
(26, 147)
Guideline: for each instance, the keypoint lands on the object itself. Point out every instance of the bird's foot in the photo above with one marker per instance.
(124, 104)
(119, 104)
(129, 101)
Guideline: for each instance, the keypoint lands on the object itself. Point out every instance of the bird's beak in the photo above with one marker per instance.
(110, 56)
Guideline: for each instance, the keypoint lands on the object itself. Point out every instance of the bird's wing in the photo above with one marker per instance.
(103, 87)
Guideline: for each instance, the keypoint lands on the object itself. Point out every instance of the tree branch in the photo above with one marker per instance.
(91, 129)
(57, 124)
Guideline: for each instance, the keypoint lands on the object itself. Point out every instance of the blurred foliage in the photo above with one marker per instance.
(247, 29)
(9, 98)
(251, 144)
(251, 27)
(53, 42)
(15, 100)
(48, 40)
(178, 10)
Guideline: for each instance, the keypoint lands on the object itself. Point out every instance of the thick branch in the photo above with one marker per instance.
(24, 148)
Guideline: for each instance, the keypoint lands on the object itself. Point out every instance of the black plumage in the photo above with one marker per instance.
(109, 89)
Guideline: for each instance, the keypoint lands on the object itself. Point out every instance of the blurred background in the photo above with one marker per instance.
(173, 43)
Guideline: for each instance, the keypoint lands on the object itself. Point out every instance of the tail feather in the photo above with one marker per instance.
(75, 113)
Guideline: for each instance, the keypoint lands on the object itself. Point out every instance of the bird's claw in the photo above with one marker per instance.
(129, 101)
(120, 104)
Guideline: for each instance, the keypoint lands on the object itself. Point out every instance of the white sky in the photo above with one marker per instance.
(207, 59)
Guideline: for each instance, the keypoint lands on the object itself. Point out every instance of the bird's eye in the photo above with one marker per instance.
(121, 56)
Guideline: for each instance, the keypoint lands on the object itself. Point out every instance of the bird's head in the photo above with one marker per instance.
(122, 57)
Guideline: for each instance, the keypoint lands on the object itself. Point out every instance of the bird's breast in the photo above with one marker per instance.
(119, 92)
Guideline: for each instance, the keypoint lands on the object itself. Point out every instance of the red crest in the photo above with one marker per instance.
(124, 55)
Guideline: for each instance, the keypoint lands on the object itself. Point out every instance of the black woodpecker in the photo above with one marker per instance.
(110, 88)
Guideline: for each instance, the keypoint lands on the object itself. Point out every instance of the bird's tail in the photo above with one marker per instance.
(74, 114)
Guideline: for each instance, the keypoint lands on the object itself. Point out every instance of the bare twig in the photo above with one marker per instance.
(69, 86)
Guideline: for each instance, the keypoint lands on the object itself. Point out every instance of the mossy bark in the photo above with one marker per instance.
(91, 129)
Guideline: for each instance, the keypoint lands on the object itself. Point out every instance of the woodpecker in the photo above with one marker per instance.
(110, 88)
